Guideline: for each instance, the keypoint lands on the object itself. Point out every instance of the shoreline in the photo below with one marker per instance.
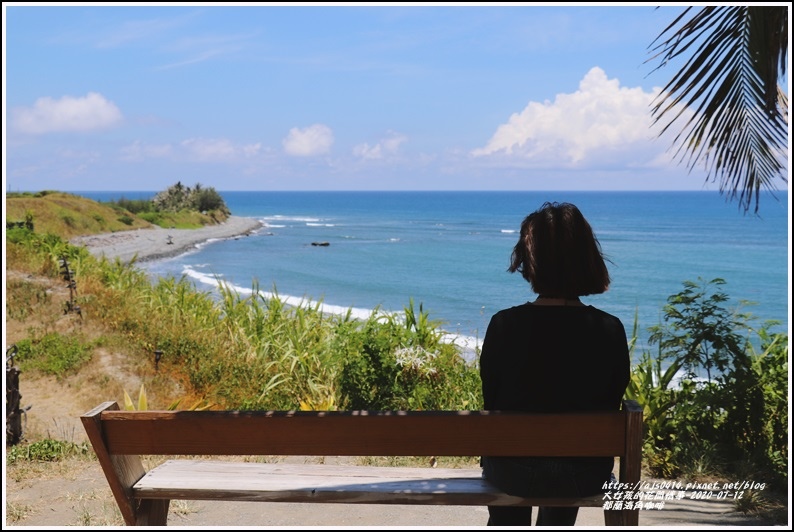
(150, 244)
(466, 343)
(142, 245)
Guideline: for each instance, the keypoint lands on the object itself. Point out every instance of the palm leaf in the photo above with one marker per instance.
(728, 88)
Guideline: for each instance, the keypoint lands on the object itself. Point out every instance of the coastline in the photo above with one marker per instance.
(154, 243)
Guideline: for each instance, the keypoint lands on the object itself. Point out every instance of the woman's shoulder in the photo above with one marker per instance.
(605, 317)
(517, 309)
(528, 308)
(603, 313)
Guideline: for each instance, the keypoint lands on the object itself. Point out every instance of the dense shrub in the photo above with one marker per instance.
(207, 199)
(155, 218)
(405, 366)
(178, 197)
(134, 206)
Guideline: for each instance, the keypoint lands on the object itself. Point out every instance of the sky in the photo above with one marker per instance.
(336, 97)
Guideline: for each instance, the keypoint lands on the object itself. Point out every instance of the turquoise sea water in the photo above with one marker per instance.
(449, 251)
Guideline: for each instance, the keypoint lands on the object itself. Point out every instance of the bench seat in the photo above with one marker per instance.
(247, 481)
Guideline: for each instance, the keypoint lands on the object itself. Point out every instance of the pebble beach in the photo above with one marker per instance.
(155, 243)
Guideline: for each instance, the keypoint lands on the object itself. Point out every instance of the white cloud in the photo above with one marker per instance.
(602, 122)
(137, 151)
(195, 149)
(313, 140)
(365, 151)
(218, 149)
(249, 150)
(385, 147)
(47, 115)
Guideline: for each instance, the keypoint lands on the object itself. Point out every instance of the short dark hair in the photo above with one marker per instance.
(558, 253)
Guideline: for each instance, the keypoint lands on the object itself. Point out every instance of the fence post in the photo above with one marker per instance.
(13, 399)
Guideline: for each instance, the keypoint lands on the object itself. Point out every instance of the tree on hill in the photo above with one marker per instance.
(178, 197)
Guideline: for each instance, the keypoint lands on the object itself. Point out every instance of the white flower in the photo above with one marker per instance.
(415, 358)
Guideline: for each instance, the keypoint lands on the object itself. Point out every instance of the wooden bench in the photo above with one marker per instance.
(120, 437)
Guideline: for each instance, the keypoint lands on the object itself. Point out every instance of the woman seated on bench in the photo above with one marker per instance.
(554, 354)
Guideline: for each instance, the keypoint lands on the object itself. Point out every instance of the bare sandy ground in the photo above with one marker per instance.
(157, 242)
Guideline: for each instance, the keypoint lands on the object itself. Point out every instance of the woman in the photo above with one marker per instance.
(553, 354)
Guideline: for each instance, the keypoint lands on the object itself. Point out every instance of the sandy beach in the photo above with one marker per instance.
(157, 243)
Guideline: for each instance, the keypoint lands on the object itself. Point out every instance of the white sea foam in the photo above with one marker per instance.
(468, 345)
(282, 218)
(198, 246)
(212, 280)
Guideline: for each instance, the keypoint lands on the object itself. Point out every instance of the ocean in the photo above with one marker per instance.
(449, 252)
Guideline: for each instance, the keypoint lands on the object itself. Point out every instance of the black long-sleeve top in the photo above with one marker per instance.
(543, 358)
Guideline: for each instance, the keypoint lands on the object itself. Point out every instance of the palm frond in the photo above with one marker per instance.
(728, 88)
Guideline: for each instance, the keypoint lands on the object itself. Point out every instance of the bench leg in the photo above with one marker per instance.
(152, 512)
(621, 517)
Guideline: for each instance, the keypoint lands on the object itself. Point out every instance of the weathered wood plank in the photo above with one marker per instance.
(245, 481)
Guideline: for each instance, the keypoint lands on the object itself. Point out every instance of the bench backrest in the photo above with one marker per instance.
(366, 433)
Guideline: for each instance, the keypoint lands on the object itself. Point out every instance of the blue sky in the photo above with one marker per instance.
(358, 97)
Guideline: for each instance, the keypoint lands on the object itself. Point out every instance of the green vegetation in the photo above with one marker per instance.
(178, 206)
(714, 402)
(23, 298)
(46, 450)
(403, 365)
(181, 198)
(715, 389)
(256, 352)
(53, 353)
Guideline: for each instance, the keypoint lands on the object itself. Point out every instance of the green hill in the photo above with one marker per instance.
(69, 215)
